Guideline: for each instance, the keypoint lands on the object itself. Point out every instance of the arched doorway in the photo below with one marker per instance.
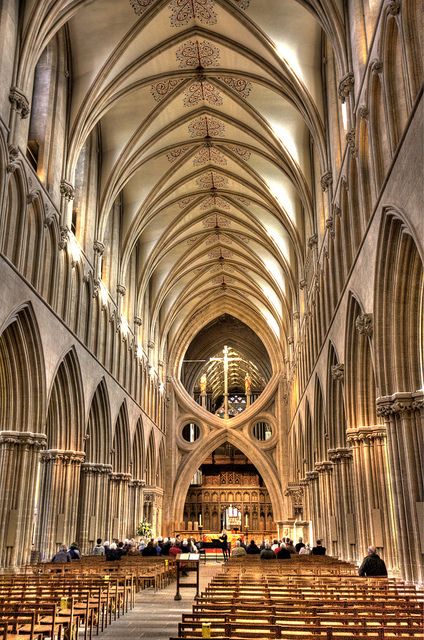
(228, 492)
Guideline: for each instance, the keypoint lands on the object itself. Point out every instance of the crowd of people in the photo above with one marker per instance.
(283, 549)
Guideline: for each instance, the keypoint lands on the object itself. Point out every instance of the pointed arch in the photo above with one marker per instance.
(138, 451)
(335, 404)
(120, 457)
(98, 434)
(151, 461)
(191, 463)
(320, 423)
(360, 386)
(399, 307)
(22, 373)
(160, 469)
(65, 415)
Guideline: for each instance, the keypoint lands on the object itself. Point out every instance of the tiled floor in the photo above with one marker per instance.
(156, 615)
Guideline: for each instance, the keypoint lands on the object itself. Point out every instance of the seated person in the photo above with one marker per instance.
(283, 553)
(319, 550)
(267, 553)
(373, 565)
(252, 548)
(238, 550)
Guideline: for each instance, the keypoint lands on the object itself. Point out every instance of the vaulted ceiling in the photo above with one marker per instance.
(208, 111)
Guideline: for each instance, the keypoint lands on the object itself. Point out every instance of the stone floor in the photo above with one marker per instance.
(156, 615)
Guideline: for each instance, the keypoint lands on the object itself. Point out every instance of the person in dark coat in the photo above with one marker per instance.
(150, 550)
(62, 555)
(252, 548)
(283, 553)
(224, 540)
(373, 565)
(299, 545)
(319, 550)
(267, 553)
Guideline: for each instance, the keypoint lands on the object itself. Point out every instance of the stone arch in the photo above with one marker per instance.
(193, 460)
(160, 468)
(120, 456)
(22, 373)
(151, 461)
(22, 390)
(360, 386)
(138, 452)
(336, 419)
(95, 471)
(395, 74)
(65, 415)
(399, 307)
(98, 434)
(309, 439)
(320, 423)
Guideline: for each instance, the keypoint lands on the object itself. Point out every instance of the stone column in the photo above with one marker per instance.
(314, 505)
(118, 505)
(328, 520)
(404, 418)
(58, 499)
(374, 506)
(135, 488)
(93, 504)
(344, 501)
(19, 468)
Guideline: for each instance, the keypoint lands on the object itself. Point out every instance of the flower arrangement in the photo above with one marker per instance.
(144, 529)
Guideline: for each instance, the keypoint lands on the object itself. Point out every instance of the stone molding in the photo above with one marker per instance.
(63, 456)
(23, 438)
(337, 372)
(98, 247)
(121, 289)
(137, 483)
(96, 468)
(339, 454)
(313, 241)
(311, 475)
(67, 190)
(364, 324)
(366, 434)
(120, 477)
(13, 161)
(351, 142)
(64, 237)
(138, 321)
(324, 466)
(19, 102)
(326, 180)
(363, 111)
(394, 7)
(346, 85)
(295, 492)
(400, 403)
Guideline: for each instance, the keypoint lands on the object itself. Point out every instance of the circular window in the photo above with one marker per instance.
(190, 432)
(262, 431)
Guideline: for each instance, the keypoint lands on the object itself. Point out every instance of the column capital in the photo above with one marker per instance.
(67, 190)
(24, 438)
(63, 456)
(96, 468)
(398, 403)
(98, 247)
(364, 324)
(323, 466)
(346, 85)
(137, 483)
(311, 475)
(337, 372)
(19, 102)
(120, 477)
(366, 434)
(339, 454)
